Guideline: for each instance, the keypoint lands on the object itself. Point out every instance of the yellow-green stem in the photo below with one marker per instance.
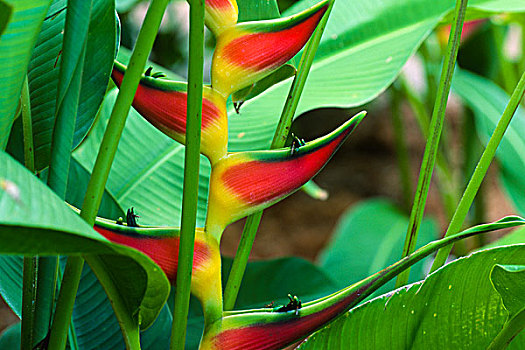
(191, 175)
(436, 125)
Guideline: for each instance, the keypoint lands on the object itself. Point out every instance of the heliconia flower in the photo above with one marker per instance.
(250, 51)
(245, 182)
(161, 244)
(163, 103)
(220, 15)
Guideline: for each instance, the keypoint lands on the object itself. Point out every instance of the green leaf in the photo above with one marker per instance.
(87, 319)
(10, 338)
(5, 15)
(364, 47)
(509, 282)
(147, 172)
(15, 50)
(488, 101)
(253, 10)
(454, 308)
(368, 238)
(44, 68)
(30, 211)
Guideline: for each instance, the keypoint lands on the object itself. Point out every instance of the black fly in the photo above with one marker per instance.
(293, 304)
(131, 218)
(296, 143)
(156, 75)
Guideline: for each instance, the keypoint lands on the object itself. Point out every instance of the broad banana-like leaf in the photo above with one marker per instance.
(34, 221)
(163, 103)
(456, 307)
(16, 46)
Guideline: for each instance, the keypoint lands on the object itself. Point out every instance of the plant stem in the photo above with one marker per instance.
(447, 189)
(30, 263)
(279, 140)
(191, 174)
(108, 149)
(480, 171)
(436, 125)
(69, 84)
(401, 147)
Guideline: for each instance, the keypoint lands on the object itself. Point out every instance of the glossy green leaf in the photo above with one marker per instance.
(454, 308)
(29, 211)
(252, 10)
(92, 312)
(43, 74)
(368, 238)
(364, 47)
(509, 282)
(147, 172)
(5, 15)
(16, 47)
(488, 101)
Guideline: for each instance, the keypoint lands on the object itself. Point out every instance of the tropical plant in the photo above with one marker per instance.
(193, 158)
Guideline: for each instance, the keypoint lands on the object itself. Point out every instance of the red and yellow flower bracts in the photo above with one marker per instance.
(246, 182)
(249, 51)
(163, 103)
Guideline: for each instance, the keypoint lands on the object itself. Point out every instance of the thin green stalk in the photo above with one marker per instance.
(108, 149)
(436, 125)
(480, 171)
(445, 179)
(403, 161)
(191, 175)
(30, 263)
(521, 21)
(241, 259)
(279, 140)
(27, 127)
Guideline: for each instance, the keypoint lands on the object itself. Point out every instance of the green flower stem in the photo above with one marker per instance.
(401, 147)
(30, 263)
(191, 175)
(27, 127)
(480, 171)
(281, 133)
(447, 188)
(97, 182)
(436, 125)
(241, 260)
